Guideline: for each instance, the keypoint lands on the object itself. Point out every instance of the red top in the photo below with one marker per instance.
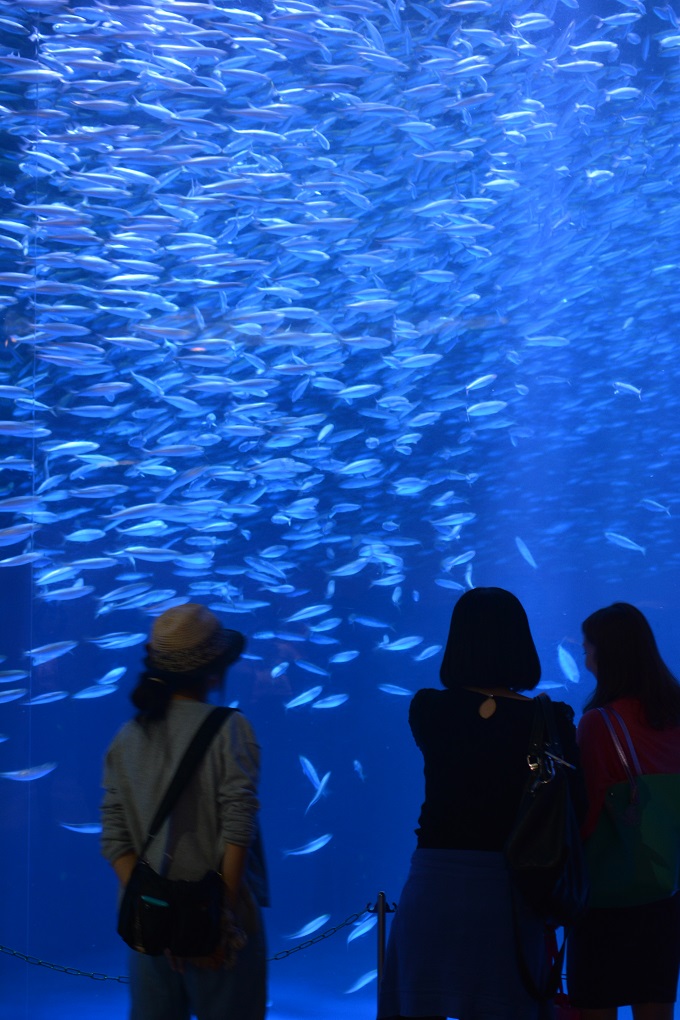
(657, 750)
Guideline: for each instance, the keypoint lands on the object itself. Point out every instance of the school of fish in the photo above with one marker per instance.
(322, 313)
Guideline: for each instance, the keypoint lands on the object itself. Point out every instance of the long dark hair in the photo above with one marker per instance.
(629, 665)
(155, 687)
(490, 643)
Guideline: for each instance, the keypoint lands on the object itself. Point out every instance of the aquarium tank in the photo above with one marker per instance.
(319, 314)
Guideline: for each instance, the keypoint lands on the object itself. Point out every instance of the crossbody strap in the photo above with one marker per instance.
(187, 766)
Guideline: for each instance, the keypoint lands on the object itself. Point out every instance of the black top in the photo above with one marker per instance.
(476, 769)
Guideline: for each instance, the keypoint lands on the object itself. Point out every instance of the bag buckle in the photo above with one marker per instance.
(542, 767)
(561, 761)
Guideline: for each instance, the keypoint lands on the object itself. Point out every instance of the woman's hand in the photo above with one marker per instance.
(124, 866)
(224, 957)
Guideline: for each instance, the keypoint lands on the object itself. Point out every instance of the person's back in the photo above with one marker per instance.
(457, 933)
(212, 827)
(475, 767)
(626, 949)
(658, 751)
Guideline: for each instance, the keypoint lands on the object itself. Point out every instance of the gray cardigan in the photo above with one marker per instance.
(219, 805)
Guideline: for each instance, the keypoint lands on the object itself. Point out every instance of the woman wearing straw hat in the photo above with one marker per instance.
(212, 826)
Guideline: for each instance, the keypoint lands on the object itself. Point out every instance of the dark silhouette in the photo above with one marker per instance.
(212, 826)
(628, 954)
(453, 943)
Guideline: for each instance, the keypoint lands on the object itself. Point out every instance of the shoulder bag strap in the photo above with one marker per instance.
(539, 735)
(536, 759)
(554, 742)
(187, 766)
(551, 751)
(624, 729)
(545, 746)
(630, 774)
(544, 740)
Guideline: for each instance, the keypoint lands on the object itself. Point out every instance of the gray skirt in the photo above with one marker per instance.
(452, 948)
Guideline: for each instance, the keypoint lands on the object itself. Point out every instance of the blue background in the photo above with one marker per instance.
(318, 314)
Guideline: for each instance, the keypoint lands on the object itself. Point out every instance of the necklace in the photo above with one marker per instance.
(487, 707)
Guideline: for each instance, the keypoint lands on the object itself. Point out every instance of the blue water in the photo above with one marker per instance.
(319, 314)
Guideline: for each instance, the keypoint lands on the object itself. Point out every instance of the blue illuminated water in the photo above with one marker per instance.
(347, 307)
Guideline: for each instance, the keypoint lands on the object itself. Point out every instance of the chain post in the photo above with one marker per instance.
(382, 909)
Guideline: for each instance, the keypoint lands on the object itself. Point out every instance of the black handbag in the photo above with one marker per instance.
(157, 913)
(544, 852)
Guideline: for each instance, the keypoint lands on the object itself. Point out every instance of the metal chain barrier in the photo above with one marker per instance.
(317, 938)
(124, 980)
(62, 970)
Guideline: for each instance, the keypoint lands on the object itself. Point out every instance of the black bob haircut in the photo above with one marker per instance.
(490, 643)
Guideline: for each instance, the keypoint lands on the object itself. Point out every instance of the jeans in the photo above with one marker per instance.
(159, 993)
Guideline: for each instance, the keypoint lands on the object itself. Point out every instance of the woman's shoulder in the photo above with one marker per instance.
(566, 722)
(126, 732)
(631, 712)
(428, 701)
(428, 696)
(447, 695)
(125, 741)
(188, 715)
(448, 705)
(239, 727)
(564, 709)
(629, 709)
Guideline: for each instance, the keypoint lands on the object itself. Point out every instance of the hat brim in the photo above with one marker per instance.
(223, 644)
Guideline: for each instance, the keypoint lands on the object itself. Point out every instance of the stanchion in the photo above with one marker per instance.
(381, 908)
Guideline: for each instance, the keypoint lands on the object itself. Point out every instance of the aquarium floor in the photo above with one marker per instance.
(55, 1000)
(30, 993)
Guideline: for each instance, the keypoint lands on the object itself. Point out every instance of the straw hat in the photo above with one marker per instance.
(187, 637)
